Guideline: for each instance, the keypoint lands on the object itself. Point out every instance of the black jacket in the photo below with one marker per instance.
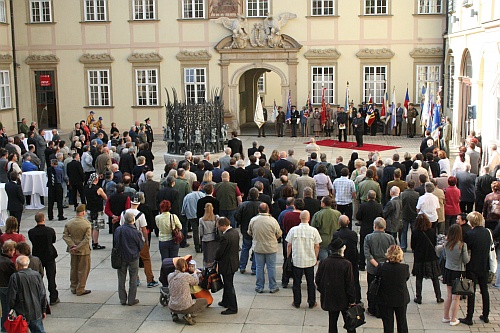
(76, 176)
(16, 197)
(170, 194)
(127, 163)
(244, 213)
(7, 268)
(393, 291)
(312, 205)
(281, 164)
(423, 244)
(478, 243)
(402, 167)
(367, 213)
(227, 252)
(350, 239)
(236, 147)
(42, 238)
(483, 187)
(200, 205)
(338, 168)
(265, 182)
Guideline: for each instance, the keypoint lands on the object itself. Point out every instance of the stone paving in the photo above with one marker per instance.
(101, 311)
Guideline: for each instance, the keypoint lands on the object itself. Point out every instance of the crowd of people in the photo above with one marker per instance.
(309, 206)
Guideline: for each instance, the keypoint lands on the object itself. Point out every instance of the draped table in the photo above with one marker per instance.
(34, 183)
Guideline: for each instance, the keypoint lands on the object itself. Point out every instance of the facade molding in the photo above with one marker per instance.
(288, 44)
(38, 59)
(103, 58)
(194, 56)
(367, 53)
(421, 52)
(6, 59)
(152, 57)
(322, 54)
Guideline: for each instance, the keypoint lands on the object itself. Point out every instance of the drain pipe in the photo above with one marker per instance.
(14, 61)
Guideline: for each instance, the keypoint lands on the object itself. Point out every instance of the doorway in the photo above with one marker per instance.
(46, 99)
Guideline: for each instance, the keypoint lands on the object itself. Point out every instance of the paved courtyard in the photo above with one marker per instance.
(101, 311)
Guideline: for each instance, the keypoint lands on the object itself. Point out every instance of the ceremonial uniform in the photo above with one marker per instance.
(149, 134)
(342, 122)
(329, 122)
(412, 119)
(262, 129)
(295, 118)
(280, 122)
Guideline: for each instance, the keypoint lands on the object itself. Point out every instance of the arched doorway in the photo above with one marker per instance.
(466, 124)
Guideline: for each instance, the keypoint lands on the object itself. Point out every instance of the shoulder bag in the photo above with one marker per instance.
(16, 323)
(355, 317)
(462, 285)
(493, 255)
(177, 235)
(116, 255)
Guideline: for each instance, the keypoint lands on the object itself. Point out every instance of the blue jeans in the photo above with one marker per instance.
(323, 254)
(245, 252)
(36, 326)
(5, 306)
(168, 249)
(230, 215)
(404, 233)
(269, 260)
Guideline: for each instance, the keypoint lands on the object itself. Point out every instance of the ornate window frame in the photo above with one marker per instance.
(97, 62)
(194, 60)
(146, 61)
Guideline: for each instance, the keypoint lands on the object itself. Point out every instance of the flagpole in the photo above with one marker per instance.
(348, 115)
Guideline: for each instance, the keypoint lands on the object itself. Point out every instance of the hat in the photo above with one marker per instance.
(135, 200)
(100, 118)
(336, 244)
(92, 112)
(81, 208)
(147, 119)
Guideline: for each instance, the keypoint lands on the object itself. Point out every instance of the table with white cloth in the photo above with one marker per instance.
(34, 183)
(4, 214)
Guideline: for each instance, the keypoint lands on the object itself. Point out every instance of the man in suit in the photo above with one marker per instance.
(16, 199)
(294, 121)
(42, 238)
(423, 143)
(466, 183)
(77, 233)
(55, 178)
(228, 262)
(224, 160)
(483, 188)
(366, 214)
(311, 204)
(171, 194)
(260, 178)
(76, 178)
(338, 165)
(217, 172)
(262, 129)
(304, 181)
(399, 120)
(235, 145)
(358, 124)
(282, 163)
(479, 242)
(208, 198)
(252, 166)
(398, 165)
(342, 123)
(392, 213)
(254, 148)
(313, 161)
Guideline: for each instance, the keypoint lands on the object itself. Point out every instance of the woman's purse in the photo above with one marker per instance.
(462, 286)
(177, 235)
(15, 323)
(355, 317)
(493, 255)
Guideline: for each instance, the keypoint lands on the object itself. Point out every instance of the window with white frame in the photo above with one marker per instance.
(40, 11)
(427, 74)
(195, 85)
(144, 9)
(146, 87)
(322, 7)
(376, 7)
(451, 81)
(193, 9)
(261, 84)
(257, 8)
(5, 101)
(3, 13)
(99, 87)
(430, 6)
(323, 77)
(95, 10)
(374, 82)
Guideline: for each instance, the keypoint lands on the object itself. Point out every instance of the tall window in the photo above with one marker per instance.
(451, 81)
(193, 9)
(3, 14)
(431, 74)
(374, 82)
(257, 8)
(376, 7)
(99, 87)
(5, 102)
(144, 9)
(40, 11)
(95, 10)
(261, 84)
(322, 7)
(146, 87)
(430, 6)
(195, 84)
(323, 77)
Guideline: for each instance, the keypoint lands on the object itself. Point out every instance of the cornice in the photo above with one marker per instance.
(145, 57)
(422, 52)
(103, 58)
(375, 53)
(6, 59)
(36, 59)
(322, 54)
(200, 55)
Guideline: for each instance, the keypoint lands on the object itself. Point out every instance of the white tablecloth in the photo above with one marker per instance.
(34, 183)
(3, 204)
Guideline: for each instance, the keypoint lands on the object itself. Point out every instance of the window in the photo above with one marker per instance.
(146, 87)
(322, 7)
(430, 6)
(41, 11)
(95, 10)
(498, 118)
(193, 9)
(428, 74)
(257, 8)
(195, 85)
(376, 7)
(323, 77)
(261, 84)
(5, 90)
(451, 82)
(144, 9)
(374, 82)
(3, 14)
(99, 87)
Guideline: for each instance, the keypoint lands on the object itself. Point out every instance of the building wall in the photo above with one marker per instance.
(68, 38)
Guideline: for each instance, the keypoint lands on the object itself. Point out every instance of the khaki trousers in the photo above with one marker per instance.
(80, 269)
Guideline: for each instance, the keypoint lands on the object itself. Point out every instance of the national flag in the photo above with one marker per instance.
(383, 110)
(288, 116)
(426, 105)
(407, 99)
(275, 112)
(258, 117)
(393, 108)
(370, 113)
(323, 107)
(436, 121)
(347, 109)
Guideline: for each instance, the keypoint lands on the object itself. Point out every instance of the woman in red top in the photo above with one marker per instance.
(11, 226)
(452, 202)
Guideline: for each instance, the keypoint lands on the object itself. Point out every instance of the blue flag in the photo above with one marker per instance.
(289, 108)
(436, 120)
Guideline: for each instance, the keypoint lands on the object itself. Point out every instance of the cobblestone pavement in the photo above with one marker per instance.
(101, 311)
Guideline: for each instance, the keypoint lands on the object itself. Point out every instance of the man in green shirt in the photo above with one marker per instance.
(23, 128)
(367, 185)
(327, 222)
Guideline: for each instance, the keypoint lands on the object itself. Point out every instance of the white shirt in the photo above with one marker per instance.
(139, 222)
(303, 239)
(428, 205)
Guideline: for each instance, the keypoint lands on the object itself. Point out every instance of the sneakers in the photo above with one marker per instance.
(259, 290)
(189, 319)
(445, 320)
(274, 290)
(454, 323)
(152, 284)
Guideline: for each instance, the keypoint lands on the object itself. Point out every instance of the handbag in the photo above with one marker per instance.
(211, 280)
(462, 286)
(116, 255)
(355, 317)
(177, 235)
(375, 284)
(15, 323)
(288, 265)
(493, 255)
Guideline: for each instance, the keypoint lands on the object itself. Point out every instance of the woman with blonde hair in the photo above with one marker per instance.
(207, 179)
(208, 234)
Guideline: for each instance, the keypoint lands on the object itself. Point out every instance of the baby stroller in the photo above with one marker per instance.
(167, 267)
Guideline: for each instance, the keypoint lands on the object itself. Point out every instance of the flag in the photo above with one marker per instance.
(323, 107)
(370, 114)
(347, 109)
(288, 116)
(393, 108)
(426, 105)
(436, 121)
(383, 111)
(275, 112)
(309, 105)
(258, 116)
(407, 99)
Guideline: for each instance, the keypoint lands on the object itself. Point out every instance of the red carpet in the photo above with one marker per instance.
(352, 145)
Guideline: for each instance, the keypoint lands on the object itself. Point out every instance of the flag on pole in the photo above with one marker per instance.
(275, 112)
(370, 114)
(407, 103)
(426, 105)
(288, 116)
(383, 111)
(323, 107)
(309, 105)
(258, 116)
(347, 98)
(393, 108)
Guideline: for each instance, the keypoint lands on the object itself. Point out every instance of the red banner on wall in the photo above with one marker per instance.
(45, 80)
